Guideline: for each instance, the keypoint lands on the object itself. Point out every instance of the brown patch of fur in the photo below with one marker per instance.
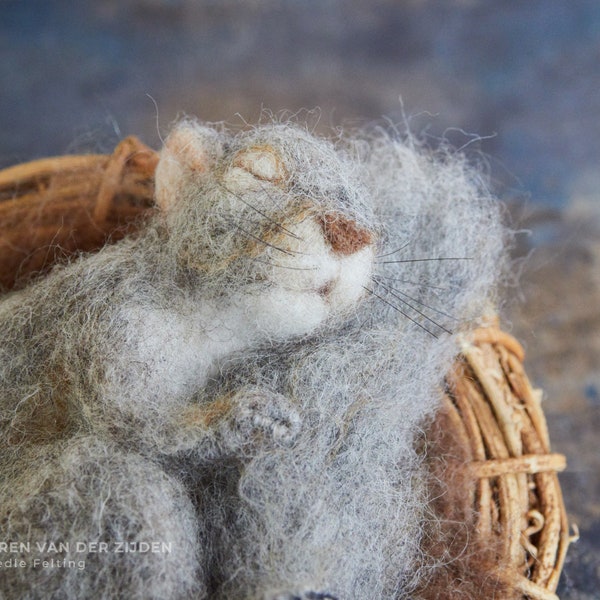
(211, 414)
(344, 235)
(458, 564)
(275, 233)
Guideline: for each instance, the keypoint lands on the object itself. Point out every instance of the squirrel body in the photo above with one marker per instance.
(242, 382)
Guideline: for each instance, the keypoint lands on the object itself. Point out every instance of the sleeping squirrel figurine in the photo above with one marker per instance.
(220, 385)
(239, 256)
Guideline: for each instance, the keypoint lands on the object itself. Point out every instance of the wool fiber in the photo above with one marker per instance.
(244, 379)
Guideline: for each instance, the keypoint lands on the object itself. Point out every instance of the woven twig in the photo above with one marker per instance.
(497, 419)
(53, 207)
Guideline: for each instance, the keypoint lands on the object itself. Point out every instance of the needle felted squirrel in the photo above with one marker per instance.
(243, 380)
(259, 238)
(246, 250)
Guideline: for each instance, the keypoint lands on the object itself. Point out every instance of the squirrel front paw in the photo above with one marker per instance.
(257, 412)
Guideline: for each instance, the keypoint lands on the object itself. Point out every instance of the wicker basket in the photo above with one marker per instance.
(491, 430)
(492, 436)
(54, 207)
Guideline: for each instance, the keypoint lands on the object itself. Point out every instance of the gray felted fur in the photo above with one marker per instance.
(244, 380)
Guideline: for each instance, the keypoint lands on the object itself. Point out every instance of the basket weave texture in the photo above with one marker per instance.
(54, 207)
(495, 421)
(492, 417)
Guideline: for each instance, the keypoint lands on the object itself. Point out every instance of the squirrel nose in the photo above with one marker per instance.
(344, 235)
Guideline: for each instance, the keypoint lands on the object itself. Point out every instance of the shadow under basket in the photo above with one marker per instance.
(488, 450)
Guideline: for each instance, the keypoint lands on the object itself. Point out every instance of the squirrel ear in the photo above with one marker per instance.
(261, 162)
(189, 148)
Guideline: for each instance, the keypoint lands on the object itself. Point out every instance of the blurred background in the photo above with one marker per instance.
(518, 81)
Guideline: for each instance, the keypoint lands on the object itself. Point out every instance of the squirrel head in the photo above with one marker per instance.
(271, 208)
